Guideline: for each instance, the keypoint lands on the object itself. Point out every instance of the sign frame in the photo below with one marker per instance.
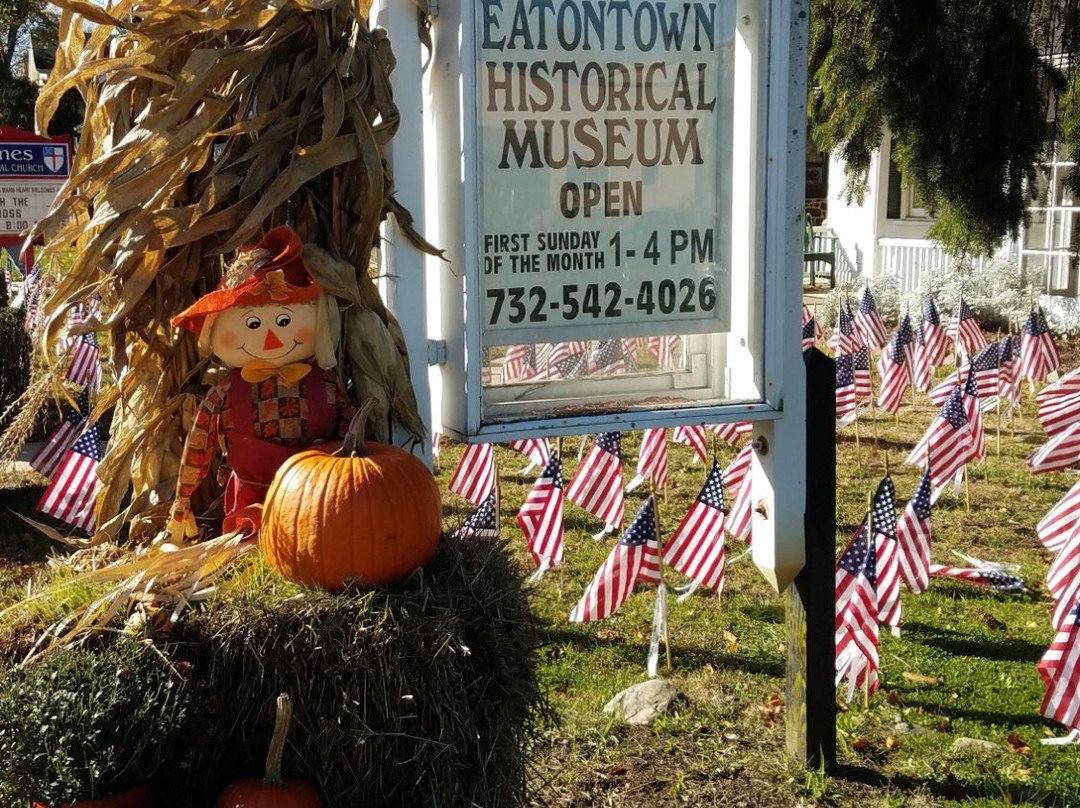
(48, 181)
(452, 97)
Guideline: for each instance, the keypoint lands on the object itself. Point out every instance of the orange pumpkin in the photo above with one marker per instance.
(272, 791)
(133, 798)
(367, 514)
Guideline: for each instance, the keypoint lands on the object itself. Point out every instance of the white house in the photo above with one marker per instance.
(887, 232)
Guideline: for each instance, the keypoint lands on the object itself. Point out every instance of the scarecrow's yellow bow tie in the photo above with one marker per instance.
(259, 370)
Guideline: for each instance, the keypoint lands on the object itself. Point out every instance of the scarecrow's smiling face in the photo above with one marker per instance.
(278, 333)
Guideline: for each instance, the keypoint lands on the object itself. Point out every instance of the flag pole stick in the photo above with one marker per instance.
(873, 400)
(660, 563)
(858, 446)
(498, 503)
(869, 544)
(967, 491)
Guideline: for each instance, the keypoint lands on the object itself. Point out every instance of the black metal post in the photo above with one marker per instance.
(811, 606)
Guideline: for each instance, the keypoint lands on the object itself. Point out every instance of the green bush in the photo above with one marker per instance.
(15, 352)
(85, 724)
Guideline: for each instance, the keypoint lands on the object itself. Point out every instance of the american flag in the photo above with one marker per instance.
(31, 297)
(1065, 385)
(887, 550)
(861, 365)
(857, 613)
(843, 339)
(474, 478)
(697, 547)
(937, 342)
(973, 408)
(809, 328)
(636, 557)
(1060, 668)
(1039, 355)
(694, 437)
(946, 446)
(868, 321)
(71, 495)
(995, 579)
(85, 367)
(985, 367)
(921, 373)
(664, 348)
(1059, 413)
(536, 449)
(845, 389)
(738, 480)
(597, 487)
(913, 536)
(1008, 372)
(940, 393)
(482, 523)
(1061, 521)
(730, 433)
(610, 358)
(895, 368)
(575, 363)
(653, 457)
(435, 440)
(1063, 579)
(968, 334)
(520, 361)
(1051, 661)
(1060, 452)
(46, 460)
(541, 515)
(541, 363)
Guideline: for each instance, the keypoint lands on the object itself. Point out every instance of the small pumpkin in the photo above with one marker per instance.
(366, 514)
(272, 791)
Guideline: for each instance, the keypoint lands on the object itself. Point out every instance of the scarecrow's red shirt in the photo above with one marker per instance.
(279, 415)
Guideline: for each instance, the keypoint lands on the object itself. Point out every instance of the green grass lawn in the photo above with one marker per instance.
(963, 667)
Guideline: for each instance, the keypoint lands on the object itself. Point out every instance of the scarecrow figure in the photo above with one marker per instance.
(268, 321)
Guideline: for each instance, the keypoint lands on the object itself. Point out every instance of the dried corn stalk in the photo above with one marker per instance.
(208, 122)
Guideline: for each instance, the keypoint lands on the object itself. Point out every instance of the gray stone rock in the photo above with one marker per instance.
(977, 745)
(644, 702)
(904, 728)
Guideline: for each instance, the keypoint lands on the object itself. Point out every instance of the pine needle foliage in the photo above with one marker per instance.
(208, 122)
(964, 87)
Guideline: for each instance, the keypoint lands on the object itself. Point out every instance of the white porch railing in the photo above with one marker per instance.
(908, 258)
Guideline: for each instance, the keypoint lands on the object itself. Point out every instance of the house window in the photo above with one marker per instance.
(904, 201)
(1051, 234)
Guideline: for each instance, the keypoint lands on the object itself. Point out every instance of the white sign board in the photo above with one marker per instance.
(23, 204)
(604, 168)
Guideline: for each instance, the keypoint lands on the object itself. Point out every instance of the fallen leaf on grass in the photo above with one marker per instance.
(990, 621)
(891, 743)
(1049, 733)
(861, 745)
(1018, 747)
(921, 679)
(893, 698)
(617, 771)
(731, 640)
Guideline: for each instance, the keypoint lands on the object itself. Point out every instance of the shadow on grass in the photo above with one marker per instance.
(950, 789)
(633, 652)
(961, 644)
(19, 542)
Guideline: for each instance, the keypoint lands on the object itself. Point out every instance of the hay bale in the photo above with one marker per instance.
(422, 694)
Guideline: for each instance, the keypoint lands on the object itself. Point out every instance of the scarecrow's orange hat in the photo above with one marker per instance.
(273, 271)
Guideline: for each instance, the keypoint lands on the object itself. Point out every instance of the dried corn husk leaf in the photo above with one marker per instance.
(208, 122)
